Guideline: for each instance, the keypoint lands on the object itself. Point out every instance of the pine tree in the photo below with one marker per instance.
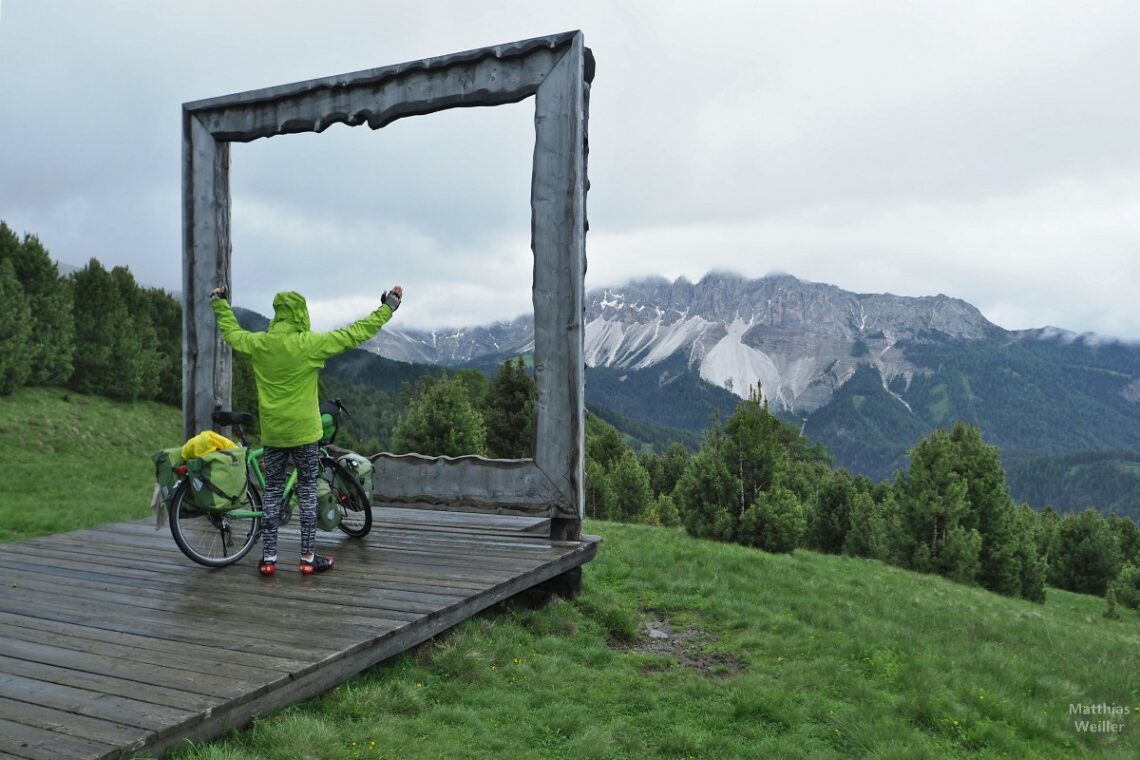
(166, 319)
(955, 499)
(664, 512)
(1110, 611)
(145, 364)
(669, 468)
(775, 522)
(476, 384)
(934, 501)
(1128, 536)
(509, 412)
(1127, 586)
(15, 331)
(632, 495)
(109, 359)
(599, 494)
(604, 444)
(52, 340)
(1032, 563)
(1087, 556)
(832, 517)
(707, 494)
(992, 513)
(1048, 526)
(960, 558)
(867, 536)
(9, 243)
(441, 421)
(753, 450)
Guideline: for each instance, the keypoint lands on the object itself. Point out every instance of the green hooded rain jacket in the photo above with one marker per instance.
(287, 359)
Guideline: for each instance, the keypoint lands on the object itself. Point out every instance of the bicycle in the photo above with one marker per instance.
(220, 538)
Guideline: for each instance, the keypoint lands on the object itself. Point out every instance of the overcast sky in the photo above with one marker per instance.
(989, 151)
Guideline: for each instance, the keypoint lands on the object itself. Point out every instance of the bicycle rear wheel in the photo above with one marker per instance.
(210, 538)
(355, 506)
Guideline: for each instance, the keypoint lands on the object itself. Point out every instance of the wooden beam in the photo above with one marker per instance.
(496, 486)
(379, 99)
(558, 203)
(206, 359)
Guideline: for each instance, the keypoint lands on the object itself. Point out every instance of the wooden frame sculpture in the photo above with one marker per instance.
(557, 71)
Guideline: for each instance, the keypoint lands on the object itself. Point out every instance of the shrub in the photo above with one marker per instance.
(776, 521)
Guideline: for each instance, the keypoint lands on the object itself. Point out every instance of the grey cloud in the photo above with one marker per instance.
(741, 135)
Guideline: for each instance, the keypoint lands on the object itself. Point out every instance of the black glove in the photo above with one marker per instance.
(390, 299)
(217, 293)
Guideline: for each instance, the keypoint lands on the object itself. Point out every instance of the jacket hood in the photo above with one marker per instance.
(290, 313)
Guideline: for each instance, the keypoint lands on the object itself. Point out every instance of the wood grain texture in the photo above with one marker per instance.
(205, 266)
(112, 643)
(495, 486)
(558, 239)
(487, 76)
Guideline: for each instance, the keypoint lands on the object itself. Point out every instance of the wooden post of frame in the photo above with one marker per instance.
(557, 70)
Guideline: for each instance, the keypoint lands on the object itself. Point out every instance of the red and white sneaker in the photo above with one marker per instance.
(317, 564)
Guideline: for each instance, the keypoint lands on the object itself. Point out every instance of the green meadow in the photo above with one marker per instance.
(676, 647)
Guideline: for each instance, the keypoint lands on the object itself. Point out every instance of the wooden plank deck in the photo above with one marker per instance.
(113, 643)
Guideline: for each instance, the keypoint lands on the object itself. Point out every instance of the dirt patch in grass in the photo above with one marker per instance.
(686, 646)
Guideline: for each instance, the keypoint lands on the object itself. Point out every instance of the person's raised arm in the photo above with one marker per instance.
(227, 322)
(338, 341)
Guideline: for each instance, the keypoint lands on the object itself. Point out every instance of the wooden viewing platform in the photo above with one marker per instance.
(112, 643)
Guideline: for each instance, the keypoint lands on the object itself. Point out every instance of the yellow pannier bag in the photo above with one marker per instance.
(204, 443)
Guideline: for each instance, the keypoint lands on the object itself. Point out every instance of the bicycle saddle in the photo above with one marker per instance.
(225, 418)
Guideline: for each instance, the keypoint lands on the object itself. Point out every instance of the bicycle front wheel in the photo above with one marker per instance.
(355, 506)
(213, 539)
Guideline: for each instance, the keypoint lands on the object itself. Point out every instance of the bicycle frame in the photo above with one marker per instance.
(257, 475)
(253, 459)
(216, 538)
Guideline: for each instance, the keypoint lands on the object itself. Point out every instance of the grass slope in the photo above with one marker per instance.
(774, 656)
(74, 461)
(770, 656)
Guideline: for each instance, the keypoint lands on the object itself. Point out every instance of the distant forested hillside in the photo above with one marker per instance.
(666, 395)
(1107, 480)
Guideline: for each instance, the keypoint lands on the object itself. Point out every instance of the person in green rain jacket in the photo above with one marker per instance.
(287, 359)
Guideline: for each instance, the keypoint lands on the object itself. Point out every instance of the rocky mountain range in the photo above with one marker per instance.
(798, 341)
(866, 374)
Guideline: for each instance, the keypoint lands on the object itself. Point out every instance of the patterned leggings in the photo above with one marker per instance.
(276, 466)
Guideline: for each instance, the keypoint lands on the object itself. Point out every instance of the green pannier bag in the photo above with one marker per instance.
(362, 468)
(330, 421)
(328, 513)
(165, 461)
(218, 480)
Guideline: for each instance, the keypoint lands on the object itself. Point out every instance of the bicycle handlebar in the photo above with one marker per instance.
(227, 418)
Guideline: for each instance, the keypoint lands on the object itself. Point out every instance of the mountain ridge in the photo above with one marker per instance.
(797, 340)
(866, 374)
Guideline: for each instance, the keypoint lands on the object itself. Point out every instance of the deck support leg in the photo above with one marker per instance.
(565, 586)
(564, 529)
